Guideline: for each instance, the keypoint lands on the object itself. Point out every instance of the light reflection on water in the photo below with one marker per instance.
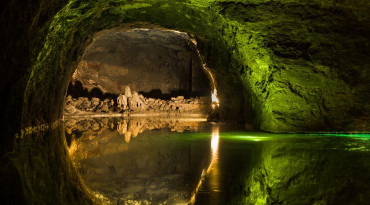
(212, 168)
(178, 161)
(214, 172)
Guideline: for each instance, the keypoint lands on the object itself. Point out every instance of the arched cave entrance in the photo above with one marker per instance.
(140, 70)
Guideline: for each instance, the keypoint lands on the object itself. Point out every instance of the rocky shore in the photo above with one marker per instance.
(133, 103)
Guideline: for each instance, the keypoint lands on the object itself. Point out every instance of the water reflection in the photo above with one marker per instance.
(213, 178)
(85, 135)
(161, 163)
(262, 168)
(154, 161)
(197, 162)
(39, 171)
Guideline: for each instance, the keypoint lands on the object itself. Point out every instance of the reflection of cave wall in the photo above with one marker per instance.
(152, 166)
(293, 169)
(313, 171)
(148, 60)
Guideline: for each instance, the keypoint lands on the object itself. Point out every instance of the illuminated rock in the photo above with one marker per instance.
(135, 103)
(122, 102)
(70, 109)
(105, 107)
(127, 91)
(94, 103)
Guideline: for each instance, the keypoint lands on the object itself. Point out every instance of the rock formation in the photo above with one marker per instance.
(127, 91)
(122, 102)
(135, 102)
(132, 102)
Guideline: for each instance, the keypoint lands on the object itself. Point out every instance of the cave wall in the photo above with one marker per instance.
(147, 60)
(288, 66)
(281, 65)
(312, 70)
(24, 28)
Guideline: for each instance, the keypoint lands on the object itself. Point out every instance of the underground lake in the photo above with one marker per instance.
(198, 102)
(191, 161)
(140, 160)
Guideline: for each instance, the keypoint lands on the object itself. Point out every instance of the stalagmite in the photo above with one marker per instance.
(122, 102)
(127, 91)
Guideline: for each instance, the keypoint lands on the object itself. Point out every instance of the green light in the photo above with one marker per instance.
(249, 138)
(257, 137)
(360, 135)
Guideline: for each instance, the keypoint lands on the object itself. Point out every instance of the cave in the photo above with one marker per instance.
(140, 70)
(97, 102)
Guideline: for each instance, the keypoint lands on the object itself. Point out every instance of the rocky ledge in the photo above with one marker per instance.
(134, 103)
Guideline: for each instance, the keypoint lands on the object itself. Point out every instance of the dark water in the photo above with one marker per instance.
(177, 161)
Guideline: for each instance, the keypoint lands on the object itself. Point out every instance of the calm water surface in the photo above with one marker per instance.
(189, 161)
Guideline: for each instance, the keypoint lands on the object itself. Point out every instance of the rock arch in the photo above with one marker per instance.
(53, 70)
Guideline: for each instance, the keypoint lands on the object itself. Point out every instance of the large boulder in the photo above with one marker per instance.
(70, 109)
(95, 102)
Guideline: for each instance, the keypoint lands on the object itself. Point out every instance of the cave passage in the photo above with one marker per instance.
(105, 102)
(140, 70)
